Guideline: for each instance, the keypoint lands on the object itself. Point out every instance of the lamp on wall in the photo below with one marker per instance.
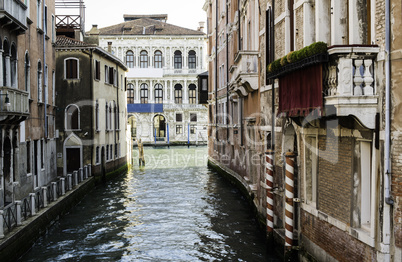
(7, 104)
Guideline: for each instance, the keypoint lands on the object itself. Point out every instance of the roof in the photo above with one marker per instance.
(64, 41)
(147, 26)
(161, 17)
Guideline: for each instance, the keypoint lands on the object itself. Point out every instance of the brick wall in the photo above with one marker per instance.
(334, 241)
(396, 187)
(335, 176)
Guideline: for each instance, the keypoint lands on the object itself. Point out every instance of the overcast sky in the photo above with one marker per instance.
(184, 13)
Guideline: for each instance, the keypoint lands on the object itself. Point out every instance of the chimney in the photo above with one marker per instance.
(109, 47)
(94, 30)
(201, 28)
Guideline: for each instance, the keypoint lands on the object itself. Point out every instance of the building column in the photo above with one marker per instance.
(308, 24)
(323, 21)
(289, 195)
(171, 92)
(137, 99)
(151, 92)
(8, 71)
(165, 92)
(288, 37)
(269, 179)
(185, 93)
(339, 27)
(1, 67)
(355, 34)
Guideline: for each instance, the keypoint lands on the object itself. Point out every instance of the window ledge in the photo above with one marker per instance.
(71, 130)
(47, 37)
(40, 103)
(39, 30)
(29, 174)
(71, 79)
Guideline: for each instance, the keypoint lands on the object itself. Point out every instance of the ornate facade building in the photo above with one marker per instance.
(304, 109)
(162, 88)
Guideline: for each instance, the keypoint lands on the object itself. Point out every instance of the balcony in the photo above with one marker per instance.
(17, 108)
(349, 82)
(183, 71)
(13, 15)
(182, 106)
(245, 72)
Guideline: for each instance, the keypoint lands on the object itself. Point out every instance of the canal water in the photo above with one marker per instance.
(174, 209)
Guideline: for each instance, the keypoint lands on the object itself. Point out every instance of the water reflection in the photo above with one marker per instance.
(174, 209)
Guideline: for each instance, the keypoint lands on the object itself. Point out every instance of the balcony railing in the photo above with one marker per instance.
(245, 72)
(182, 106)
(182, 71)
(17, 108)
(349, 82)
(13, 13)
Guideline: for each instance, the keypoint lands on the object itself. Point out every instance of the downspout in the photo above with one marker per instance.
(227, 73)
(272, 51)
(216, 70)
(386, 241)
(92, 99)
(45, 68)
(387, 176)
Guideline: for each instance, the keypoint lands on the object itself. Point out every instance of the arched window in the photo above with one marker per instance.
(177, 60)
(178, 97)
(13, 64)
(130, 59)
(192, 62)
(27, 73)
(158, 94)
(110, 116)
(158, 59)
(39, 81)
(71, 67)
(72, 118)
(144, 93)
(6, 66)
(130, 94)
(144, 59)
(192, 94)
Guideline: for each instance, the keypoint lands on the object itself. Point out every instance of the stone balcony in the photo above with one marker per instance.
(13, 15)
(245, 72)
(349, 82)
(17, 108)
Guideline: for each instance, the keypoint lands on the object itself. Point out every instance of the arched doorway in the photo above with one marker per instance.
(159, 127)
(73, 154)
(8, 189)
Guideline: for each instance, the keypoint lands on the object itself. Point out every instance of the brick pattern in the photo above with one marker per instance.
(396, 187)
(334, 241)
(335, 177)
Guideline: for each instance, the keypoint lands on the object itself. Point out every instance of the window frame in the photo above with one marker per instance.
(158, 93)
(178, 60)
(192, 59)
(97, 71)
(144, 93)
(68, 124)
(74, 72)
(144, 63)
(130, 59)
(192, 94)
(158, 59)
(130, 93)
(178, 94)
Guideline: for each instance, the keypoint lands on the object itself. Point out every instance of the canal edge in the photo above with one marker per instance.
(273, 242)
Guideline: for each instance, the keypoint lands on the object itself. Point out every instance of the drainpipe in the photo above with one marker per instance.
(387, 155)
(45, 68)
(216, 71)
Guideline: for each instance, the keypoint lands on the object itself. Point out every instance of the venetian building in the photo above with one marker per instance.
(164, 61)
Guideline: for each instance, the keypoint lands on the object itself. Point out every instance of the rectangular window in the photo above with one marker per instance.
(28, 157)
(111, 76)
(53, 87)
(193, 117)
(179, 117)
(107, 152)
(97, 70)
(53, 29)
(179, 129)
(97, 155)
(45, 20)
(71, 68)
(42, 154)
(365, 184)
(106, 74)
(192, 129)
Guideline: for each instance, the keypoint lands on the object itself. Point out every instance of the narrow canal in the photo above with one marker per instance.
(174, 209)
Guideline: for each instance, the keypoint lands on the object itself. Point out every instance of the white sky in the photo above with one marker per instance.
(184, 13)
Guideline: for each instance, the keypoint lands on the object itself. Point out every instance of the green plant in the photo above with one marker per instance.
(284, 61)
(289, 57)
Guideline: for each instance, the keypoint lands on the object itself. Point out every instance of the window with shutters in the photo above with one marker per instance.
(97, 70)
(71, 67)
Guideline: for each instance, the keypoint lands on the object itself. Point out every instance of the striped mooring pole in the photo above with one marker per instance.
(269, 179)
(289, 189)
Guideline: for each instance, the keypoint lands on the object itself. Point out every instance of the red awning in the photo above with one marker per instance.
(300, 92)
